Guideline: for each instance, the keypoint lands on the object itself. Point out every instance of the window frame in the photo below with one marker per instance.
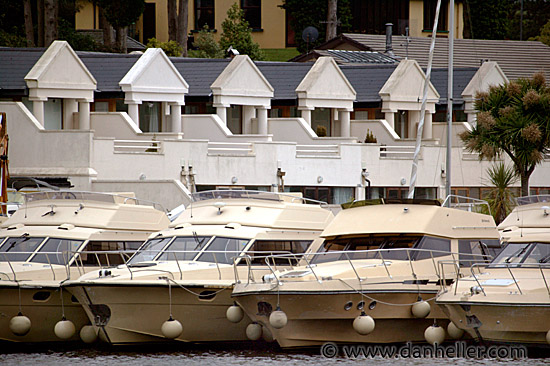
(255, 8)
(196, 13)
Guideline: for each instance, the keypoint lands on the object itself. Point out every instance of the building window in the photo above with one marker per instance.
(429, 15)
(234, 119)
(321, 121)
(252, 12)
(371, 16)
(149, 22)
(204, 14)
(150, 117)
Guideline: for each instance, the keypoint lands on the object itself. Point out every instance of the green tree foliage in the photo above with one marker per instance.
(78, 41)
(122, 13)
(535, 15)
(312, 13)
(500, 196)
(544, 36)
(486, 19)
(236, 32)
(206, 46)
(514, 119)
(170, 48)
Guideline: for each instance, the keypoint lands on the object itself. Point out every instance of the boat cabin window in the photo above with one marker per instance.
(149, 250)
(523, 253)
(262, 248)
(431, 247)
(19, 249)
(57, 251)
(125, 248)
(475, 251)
(366, 247)
(396, 247)
(223, 250)
(184, 248)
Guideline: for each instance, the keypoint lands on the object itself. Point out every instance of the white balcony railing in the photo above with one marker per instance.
(138, 147)
(317, 151)
(231, 148)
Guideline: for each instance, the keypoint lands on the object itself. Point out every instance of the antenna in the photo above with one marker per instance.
(309, 35)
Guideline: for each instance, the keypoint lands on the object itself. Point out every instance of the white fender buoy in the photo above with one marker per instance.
(64, 329)
(88, 334)
(254, 331)
(278, 319)
(267, 335)
(363, 324)
(171, 328)
(548, 337)
(454, 332)
(20, 325)
(421, 309)
(434, 334)
(234, 313)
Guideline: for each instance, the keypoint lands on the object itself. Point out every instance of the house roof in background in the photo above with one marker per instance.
(516, 58)
(345, 56)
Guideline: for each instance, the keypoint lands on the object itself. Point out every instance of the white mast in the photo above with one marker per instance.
(414, 169)
(450, 98)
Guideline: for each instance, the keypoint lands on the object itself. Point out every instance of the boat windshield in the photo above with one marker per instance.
(223, 250)
(19, 249)
(57, 251)
(184, 248)
(149, 250)
(396, 247)
(523, 253)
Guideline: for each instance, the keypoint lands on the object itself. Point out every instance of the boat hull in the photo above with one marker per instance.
(317, 318)
(501, 323)
(43, 306)
(136, 313)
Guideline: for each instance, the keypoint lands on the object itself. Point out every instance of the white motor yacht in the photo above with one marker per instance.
(508, 301)
(178, 286)
(374, 278)
(49, 240)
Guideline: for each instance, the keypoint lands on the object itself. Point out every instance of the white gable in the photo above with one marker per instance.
(59, 73)
(488, 74)
(154, 78)
(405, 86)
(325, 86)
(242, 83)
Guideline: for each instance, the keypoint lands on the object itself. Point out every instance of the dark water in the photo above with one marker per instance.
(218, 356)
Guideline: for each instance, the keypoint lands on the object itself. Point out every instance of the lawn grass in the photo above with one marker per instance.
(279, 54)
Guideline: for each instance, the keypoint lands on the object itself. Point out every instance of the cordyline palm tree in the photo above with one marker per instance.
(513, 118)
(500, 197)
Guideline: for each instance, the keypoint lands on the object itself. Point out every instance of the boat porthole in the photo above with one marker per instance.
(361, 305)
(41, 296)
(372, 305)
(348, 305)
(207, 295)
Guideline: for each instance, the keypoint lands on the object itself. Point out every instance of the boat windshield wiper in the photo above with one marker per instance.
(544, 259)
(516, 254)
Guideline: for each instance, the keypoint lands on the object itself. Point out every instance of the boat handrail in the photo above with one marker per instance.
(250, 194)
(526, 200)
(89, 196)
(509, 267)
(125, 255)
(470, 257)
(467, 203)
